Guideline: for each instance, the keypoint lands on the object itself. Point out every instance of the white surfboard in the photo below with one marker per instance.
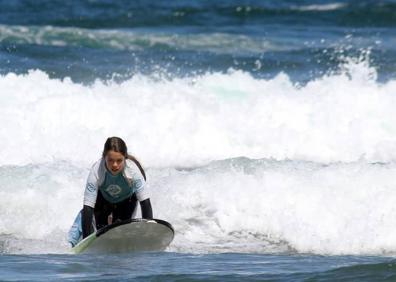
(128, 236)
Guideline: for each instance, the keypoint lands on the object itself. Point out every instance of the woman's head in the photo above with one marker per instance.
(115, 152)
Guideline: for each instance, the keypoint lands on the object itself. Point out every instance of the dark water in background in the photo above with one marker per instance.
(86, 40)
(323, 182)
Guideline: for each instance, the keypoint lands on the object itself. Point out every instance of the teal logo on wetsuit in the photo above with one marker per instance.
(115, 188)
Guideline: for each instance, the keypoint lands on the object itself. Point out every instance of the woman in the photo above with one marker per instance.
(115, 183)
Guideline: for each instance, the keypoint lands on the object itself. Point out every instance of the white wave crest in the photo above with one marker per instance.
(340, 117)
(321, 7)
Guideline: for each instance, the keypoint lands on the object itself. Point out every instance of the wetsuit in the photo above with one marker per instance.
(107, 194)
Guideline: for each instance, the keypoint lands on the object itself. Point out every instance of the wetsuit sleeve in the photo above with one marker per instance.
(138, 182)
(90, 194)
(86, 220)
(147, 211)
(91, 187)
(140, 189)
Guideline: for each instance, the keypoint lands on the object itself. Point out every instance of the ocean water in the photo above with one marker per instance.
(267, 130)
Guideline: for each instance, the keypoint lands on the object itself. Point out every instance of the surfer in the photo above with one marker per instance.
(115, 183)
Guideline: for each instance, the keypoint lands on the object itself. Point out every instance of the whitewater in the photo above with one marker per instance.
(237, 163)
(342, 117)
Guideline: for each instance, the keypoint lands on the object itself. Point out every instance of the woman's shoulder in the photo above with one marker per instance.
(131, 169)
(98, 166)
(131, 165)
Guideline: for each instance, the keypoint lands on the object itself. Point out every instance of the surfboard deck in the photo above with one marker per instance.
(126, 236)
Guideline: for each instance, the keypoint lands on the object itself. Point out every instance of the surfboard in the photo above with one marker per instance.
(132, 235)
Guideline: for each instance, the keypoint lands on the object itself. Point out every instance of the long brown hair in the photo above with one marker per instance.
(118, 145)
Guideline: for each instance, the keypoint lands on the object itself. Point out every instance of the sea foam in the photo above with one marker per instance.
(233, 205)
(317, 172)
(342, 117)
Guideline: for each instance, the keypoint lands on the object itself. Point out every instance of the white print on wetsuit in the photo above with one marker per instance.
(113, 190)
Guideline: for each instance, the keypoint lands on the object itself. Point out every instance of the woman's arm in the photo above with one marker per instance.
(90, 195)
(86, 220)
(139, 186)
(147, 211)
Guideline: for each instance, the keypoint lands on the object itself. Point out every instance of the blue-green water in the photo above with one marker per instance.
(267, 129)
(187, 267)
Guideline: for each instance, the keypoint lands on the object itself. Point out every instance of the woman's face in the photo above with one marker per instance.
(115, 162)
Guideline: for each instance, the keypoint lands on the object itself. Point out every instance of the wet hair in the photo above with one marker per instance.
(118, 145)
(115, 144)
